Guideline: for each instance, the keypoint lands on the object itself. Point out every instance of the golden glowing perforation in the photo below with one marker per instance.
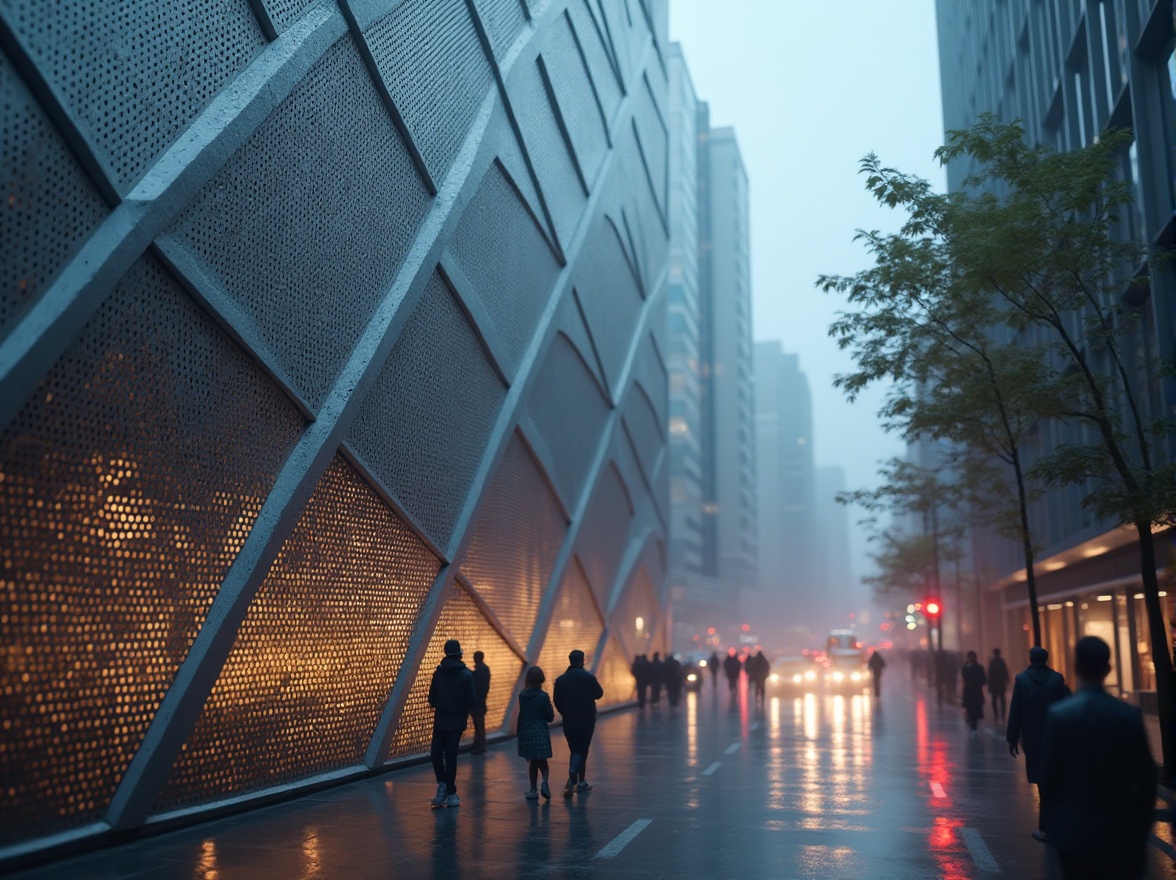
(575, 622)
(637, 606)
(613, 673)
(460, 619)
(317, 652)
(128, 484)
(516, 538)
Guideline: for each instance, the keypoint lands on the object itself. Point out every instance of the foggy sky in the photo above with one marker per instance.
(810, 89)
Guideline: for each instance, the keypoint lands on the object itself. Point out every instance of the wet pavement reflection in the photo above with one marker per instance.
(810, 785)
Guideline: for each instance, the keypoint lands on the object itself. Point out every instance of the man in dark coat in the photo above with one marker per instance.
(876, 664)
(732, 667)
(575, 695)
(713, 665)
(1034, 691)
(1099, 780)
(998, 683)
(478, 713)
(758, 670)
(656, 677)
(452, 696)
(974, 680)
(640, 670)
(672, 676)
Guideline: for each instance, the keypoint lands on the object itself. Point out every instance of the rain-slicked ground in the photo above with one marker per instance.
(810, 786)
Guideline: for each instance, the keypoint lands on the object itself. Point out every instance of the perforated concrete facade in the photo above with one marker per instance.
(328, 331)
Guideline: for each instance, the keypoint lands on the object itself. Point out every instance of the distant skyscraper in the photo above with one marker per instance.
(834, 564)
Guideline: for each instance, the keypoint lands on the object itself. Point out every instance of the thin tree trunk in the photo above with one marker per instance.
(1160, 650)
(1027, 548)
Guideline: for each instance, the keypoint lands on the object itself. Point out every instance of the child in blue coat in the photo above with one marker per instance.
(535, 713)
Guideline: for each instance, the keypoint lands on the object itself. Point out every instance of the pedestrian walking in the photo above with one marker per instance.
(732, 667)
(576, 693)
(876, 664)
(481, 691)
(672, 675)
(713, 665)
(640, 670)
(758, 669)
(535, 713)
(1098, 777)
(1034, 691)
(974, 680)
(998, 683)
(656, 675)
(452, 696)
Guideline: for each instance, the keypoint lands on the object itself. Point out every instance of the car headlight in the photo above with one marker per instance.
(839, 676)
(811, 675)
(702, 663)
(857, 676)
(692, 677)
(796, 679)
(773, 677)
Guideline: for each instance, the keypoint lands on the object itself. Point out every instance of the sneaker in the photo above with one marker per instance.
(532, 795)
(569, 788)
(545, 790)
(442, 794)
(1039, 835)
(583, 786)
(453, 801)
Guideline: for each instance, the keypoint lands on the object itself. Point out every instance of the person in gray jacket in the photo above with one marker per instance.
(452, 696)
(1099, 776)
(1034, 691)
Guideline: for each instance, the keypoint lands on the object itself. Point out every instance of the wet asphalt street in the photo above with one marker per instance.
(810, 786)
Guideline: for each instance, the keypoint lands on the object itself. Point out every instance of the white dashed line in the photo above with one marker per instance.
(979, 850)
(711, 769)
(623, 839)
(937, 790)
(732, 749)
(754, 726)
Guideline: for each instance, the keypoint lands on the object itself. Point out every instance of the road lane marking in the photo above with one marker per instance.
(754, 726)
(979, 850)
(937, 790)
(732, 749)
(711, 769)
(623, 839)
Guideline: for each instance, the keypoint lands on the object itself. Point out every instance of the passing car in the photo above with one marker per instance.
(694, 670)
(845, 668)
(793, 673)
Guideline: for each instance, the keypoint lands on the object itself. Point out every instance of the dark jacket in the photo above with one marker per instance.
(998, 676)
(451, 694)
(1098, 780)
(535, 706)
(481, 686)
(974, 680)
(758, 668)
(575, 694)
(876, 663)
(1034, 691)
(732, 667)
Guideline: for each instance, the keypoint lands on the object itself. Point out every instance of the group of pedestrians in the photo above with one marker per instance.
(1086, 752)
(457, 694)
(651, 676)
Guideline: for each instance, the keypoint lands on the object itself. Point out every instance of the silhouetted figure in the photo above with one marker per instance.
(656, 677)
(758, 669)
(877, 664)
(713, 665)
(998, 683)
(1034, 691)
(1098, 777)
(672, 676)
(575, 694)
(972, 674)
(478, 713)
(641, 674)
(732, 667)
(452, 696)
(535, 713)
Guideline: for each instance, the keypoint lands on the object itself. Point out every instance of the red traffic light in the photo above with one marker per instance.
(932, 608)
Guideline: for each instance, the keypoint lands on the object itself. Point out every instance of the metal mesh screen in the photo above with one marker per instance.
(610, 295)
(430, 58)
(571, 433)
(575, 622)
(637, 617)
(573, 92)
(503, 20)
(644, 429)
(604, 77)
(284, 13)
(518, 533)
(460, 619)
(500, 249)
(654, 138)
(136, 74)
(436, 384)
(49, 206)
(323, 640)
(613, 673)
(605, 532)
(307, 225)
(548, 151)
(651, 373)
(128, 483)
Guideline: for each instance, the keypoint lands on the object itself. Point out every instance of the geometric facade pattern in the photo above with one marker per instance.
(328, 332)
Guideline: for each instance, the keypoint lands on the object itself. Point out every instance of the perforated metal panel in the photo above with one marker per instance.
(572, 434)
(128, 73)
(128, 483)
(573, 93)
(437, 383)
(307, 224)
(575, 622)
(644, 430)
(548, 151)
(605, 532)
(592, 40)
(517, 535)
(49, 206)
(462, 620)
(317, 653)
(610, 296)
(430, 58)
(614, 675)
(654, 139)
(503, 20)
(501, 251)
(651, 373)
(284, 13)
(638, 604)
